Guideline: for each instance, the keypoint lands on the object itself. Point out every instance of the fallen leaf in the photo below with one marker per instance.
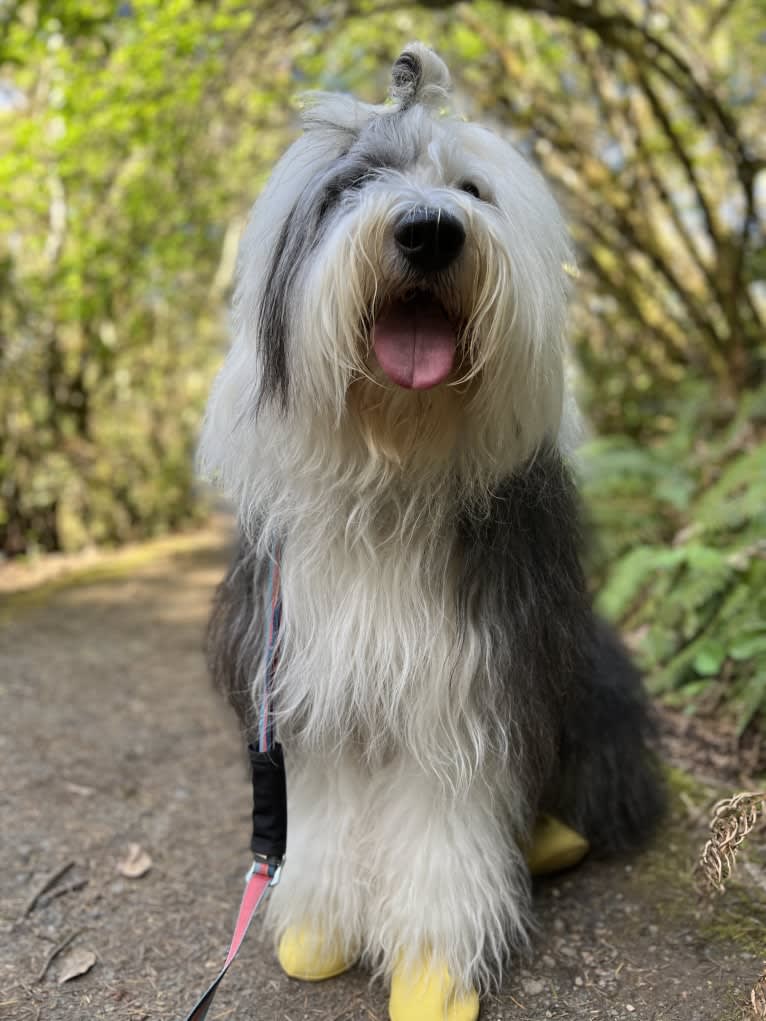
(76, 963)
(80, 789)
(135, 864)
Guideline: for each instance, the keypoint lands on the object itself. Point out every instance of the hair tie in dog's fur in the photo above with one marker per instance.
(419, 76)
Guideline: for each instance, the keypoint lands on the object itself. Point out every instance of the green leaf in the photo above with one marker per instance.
(746, 648)
(753, 700)
(710, 658)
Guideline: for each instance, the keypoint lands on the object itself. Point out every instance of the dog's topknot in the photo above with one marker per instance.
(419, 76)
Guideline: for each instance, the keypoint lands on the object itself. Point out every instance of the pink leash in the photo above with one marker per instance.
(258, 883)
(269, 804)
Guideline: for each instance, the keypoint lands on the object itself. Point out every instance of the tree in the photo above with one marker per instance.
(124, 173)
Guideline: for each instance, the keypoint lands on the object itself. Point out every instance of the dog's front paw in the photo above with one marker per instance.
(427, 992)
(307, 954)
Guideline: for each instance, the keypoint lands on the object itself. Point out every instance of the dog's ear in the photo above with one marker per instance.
(419, 76)
(335, 114)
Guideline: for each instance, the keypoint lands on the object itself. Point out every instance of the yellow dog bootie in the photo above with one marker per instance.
(554, 847)
(305, 954)
(427, 993)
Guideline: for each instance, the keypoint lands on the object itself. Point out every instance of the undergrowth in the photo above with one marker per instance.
(681, 560)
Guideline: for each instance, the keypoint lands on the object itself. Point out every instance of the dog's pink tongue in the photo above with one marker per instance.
(414, 343)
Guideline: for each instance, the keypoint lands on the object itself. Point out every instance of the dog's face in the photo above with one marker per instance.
(402, 279)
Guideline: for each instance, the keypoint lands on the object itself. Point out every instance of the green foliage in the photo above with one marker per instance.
(684, 568)
(123, 184)
(133, 137)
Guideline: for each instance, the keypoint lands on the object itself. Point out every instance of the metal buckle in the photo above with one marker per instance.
(277, 874)
(260, 859)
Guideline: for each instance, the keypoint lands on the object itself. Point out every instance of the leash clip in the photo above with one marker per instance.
(277, 874)
(266, 865)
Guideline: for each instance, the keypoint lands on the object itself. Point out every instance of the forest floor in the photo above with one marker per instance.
(110, 735)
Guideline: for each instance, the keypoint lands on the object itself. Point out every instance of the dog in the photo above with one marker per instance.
(393, 423)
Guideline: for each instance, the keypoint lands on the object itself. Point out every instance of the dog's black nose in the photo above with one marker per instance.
(429, 239)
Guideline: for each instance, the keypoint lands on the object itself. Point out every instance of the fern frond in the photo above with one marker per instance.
(733, 818)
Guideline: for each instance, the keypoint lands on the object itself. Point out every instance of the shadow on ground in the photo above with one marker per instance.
(111, 735)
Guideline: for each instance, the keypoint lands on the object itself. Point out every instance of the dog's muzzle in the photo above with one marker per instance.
(429, 238)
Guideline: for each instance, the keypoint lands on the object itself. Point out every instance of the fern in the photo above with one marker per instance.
(753, 696)
(682, 566)
(632, 576)
(737, 500)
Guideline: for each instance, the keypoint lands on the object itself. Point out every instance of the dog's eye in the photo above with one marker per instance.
(340, 186)
(358, 181)
(471, 188)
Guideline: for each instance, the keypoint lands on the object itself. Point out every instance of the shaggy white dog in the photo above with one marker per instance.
(392, 419)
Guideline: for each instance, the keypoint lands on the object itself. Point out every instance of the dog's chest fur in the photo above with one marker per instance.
(443, 631)
(372, 646)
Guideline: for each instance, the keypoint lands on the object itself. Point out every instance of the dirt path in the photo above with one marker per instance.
(110, 734)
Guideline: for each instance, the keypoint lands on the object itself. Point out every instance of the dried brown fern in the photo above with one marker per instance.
(733, 818)
(758, 997)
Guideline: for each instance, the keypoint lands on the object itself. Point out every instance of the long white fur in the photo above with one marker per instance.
(403, 811)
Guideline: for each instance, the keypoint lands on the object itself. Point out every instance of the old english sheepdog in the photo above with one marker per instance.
(392, 418)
